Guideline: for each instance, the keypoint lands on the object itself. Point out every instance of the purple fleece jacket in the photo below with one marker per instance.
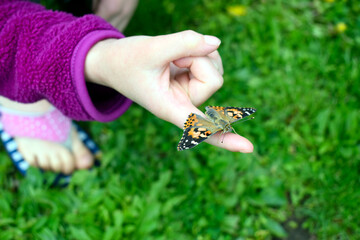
(42, 56)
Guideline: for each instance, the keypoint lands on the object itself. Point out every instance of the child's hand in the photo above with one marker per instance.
(168, 75)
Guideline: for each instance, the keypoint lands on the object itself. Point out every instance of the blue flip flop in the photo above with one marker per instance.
(19, 162)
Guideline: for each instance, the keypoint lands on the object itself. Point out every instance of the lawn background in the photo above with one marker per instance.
(297, 62)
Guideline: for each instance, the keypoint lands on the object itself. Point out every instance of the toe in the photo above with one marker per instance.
(68, 162)
(43, 162)
(83, 157)
(55, 157)
(55, 161)
(28, 154)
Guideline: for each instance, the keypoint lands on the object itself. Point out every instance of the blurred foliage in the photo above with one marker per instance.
(289, 60)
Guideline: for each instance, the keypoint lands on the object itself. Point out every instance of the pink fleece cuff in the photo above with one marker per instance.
(98, 108)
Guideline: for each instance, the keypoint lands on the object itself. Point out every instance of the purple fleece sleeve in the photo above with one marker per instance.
(42, 56)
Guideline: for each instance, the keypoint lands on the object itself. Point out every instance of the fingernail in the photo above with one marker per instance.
(211, 40)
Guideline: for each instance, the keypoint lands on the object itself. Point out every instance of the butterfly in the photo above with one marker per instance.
(198, 128)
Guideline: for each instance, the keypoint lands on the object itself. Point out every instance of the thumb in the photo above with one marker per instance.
(168, 48)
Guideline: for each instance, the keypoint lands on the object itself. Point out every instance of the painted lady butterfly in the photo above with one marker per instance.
(198, 128)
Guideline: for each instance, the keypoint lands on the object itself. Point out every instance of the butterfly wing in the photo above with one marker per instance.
(232, 114)
(196, 130)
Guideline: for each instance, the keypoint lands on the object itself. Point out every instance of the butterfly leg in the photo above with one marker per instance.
(222, 136)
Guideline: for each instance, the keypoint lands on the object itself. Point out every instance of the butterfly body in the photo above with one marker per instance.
(198, 128)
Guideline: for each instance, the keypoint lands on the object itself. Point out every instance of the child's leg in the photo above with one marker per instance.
(46, 154)
(116, 12)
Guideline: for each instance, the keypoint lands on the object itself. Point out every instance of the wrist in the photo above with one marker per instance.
(95, 62)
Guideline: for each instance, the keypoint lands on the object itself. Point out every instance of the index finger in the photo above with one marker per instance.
(232, 142)
(229, 141)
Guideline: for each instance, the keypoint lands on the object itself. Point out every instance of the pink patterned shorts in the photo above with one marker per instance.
(49, 126)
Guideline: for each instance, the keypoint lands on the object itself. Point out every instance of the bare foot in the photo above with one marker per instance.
(50, 155)
(54, 156)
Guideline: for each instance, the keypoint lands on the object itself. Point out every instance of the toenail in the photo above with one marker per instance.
(86, 161)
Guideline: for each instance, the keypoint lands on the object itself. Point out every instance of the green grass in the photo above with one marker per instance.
(284, 58)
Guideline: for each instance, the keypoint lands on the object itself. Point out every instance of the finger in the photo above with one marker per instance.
(183, 110)
(229, 141)
(167, 48)
(205, 78)
(179, 65)
(216, 60)
(232, 142)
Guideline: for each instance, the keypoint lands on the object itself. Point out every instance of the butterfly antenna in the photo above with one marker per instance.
(234, 130)
(246, 119)
(223, 133)
(242, 120)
